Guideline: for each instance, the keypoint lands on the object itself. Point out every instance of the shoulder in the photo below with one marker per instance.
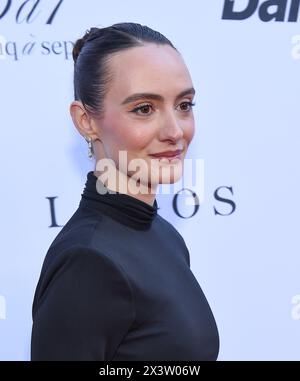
(176, 235)
(76, 237)
(82, 308)
(171, 228)
(79, 228)
(84, 270)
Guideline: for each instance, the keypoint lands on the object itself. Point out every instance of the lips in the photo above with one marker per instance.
(168, 154)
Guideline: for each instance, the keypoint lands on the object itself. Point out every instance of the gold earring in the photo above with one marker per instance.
(90, 146)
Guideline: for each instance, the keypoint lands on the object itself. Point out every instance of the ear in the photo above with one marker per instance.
(83, 121)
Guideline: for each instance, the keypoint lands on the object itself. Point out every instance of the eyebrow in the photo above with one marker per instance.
(138, 96)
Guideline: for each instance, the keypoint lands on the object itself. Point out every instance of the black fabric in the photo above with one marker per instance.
(116, 284)
(122, 207)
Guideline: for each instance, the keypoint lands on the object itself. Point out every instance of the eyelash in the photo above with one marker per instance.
(135, 110)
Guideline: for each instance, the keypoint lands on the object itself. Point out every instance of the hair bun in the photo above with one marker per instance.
(81, 41)
(77, 48)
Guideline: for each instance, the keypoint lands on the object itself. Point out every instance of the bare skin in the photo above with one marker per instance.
(159, 125)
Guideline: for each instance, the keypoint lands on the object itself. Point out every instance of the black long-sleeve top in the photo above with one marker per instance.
(116, 284)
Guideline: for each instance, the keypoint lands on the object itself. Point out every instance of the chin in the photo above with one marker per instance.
(170, 174)
(169, 180)
(167, 174)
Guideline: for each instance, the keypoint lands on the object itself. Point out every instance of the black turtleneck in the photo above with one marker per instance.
(122, 207)
(116, 284)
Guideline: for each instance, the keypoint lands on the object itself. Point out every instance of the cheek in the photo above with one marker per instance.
(139, 137)
(127, 134)
(189, 131)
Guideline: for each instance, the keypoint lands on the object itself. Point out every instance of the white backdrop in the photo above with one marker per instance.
(244, 252)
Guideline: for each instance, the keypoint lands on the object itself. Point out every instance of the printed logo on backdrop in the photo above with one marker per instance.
(276, 10)
(225, 206)
(183, 180)
(185, 204)
(31, 12)
(266, 11)
(2, 307)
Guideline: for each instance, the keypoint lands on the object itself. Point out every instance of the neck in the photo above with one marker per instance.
(124, 184)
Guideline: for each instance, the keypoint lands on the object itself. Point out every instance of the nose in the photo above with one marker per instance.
(170, 129)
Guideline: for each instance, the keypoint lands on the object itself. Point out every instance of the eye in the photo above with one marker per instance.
(187, 106)
(144, 108)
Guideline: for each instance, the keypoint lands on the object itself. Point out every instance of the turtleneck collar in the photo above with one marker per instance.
(122, 207)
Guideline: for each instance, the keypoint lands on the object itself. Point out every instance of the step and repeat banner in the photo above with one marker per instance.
(243, 237)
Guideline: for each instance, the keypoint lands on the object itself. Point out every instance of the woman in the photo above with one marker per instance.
(116, 282)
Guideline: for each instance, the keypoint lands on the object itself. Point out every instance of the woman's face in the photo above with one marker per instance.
(148, 124)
